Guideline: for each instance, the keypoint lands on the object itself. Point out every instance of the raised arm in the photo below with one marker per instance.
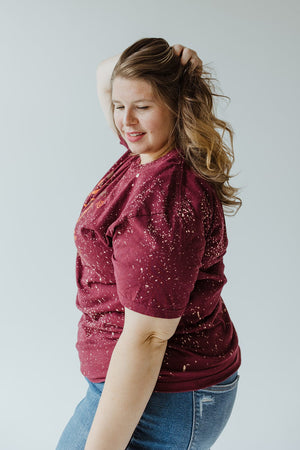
(103, 75)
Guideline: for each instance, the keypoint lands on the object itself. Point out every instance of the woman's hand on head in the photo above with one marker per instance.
(187, 54)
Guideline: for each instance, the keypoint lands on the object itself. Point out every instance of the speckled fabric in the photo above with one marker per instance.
(152, 238)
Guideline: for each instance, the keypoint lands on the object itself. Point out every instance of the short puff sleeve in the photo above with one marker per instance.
(156, 263)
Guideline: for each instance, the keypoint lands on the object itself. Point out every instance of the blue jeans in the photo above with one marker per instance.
(190, 420)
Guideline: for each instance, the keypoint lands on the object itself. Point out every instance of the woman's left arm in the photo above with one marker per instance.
(132, 375)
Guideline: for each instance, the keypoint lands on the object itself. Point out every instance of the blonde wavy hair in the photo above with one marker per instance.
(189, 94)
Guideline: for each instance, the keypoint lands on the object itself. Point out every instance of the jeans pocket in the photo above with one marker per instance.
(213, 407)
(225, 386)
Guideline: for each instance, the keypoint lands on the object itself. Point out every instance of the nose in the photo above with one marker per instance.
(129, 117)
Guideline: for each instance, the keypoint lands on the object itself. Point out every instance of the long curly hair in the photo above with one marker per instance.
(189, 94)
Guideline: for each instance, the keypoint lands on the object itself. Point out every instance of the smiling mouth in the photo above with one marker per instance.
(133, 137)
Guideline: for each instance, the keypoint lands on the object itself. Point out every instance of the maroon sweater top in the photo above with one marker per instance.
(152, 238)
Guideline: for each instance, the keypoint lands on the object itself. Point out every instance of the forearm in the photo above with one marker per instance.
(130, 380)
(103, 77)
(104, 72)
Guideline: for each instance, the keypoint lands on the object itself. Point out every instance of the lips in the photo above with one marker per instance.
(134, 136)
(133, 132)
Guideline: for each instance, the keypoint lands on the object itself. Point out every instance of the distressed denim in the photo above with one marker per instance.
(190, 420)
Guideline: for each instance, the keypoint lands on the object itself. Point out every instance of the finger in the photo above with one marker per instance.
(196, 62)
(187, 54)
(178, 49)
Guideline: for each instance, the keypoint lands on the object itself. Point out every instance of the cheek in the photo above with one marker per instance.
(163, 122)
(156, 124)
(118, 120)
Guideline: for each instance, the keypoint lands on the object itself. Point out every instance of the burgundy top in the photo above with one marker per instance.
(152, 238)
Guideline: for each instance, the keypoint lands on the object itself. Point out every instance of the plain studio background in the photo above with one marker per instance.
(56, 145)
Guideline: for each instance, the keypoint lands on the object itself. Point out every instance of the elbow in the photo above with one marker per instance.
(155, 339)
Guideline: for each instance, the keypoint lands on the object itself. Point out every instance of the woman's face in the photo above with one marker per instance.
(138, 110)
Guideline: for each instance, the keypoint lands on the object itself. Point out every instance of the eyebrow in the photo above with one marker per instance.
(137, 101)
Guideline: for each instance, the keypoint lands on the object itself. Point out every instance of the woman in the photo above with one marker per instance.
(155, 341)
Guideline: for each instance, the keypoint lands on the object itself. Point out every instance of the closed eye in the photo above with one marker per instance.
(138, 107)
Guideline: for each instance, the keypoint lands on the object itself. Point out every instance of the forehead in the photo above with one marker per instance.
(125, 89)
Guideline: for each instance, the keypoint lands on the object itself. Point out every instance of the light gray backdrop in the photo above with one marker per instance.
(56, 145)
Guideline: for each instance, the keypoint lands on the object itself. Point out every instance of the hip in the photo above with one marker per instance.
(191, 420)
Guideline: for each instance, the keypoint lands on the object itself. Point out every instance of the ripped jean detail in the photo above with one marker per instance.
(212, 409)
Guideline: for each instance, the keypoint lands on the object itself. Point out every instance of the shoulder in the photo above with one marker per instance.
(173, 183)
(170, 186)
(170, 174)
(200, 192)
